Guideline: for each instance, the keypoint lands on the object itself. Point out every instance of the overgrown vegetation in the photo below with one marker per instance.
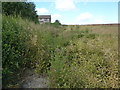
(71, 56)
(16, 52)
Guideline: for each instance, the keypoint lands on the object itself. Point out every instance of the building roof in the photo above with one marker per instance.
(44, 16)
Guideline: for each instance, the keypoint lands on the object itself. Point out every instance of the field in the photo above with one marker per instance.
(71, 56)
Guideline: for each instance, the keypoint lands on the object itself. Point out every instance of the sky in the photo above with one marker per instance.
(71, 12)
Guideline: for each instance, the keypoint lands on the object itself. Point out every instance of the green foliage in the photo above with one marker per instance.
(57, 22)
(71, 56)
(23, 9)
(16, 54)
(83, 61)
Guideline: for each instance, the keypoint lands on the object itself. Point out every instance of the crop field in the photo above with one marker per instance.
(71, 56)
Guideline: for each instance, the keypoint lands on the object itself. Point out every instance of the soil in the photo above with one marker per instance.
(33, 80)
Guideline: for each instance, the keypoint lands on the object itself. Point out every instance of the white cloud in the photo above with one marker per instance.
(88, 18)
(84, 17)
(41, 11)
(65, 5)
(55, 17)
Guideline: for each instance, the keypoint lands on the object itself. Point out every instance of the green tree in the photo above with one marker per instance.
(23, 9)
(57, 22)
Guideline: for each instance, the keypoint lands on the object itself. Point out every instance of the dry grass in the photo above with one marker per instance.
(102, 29)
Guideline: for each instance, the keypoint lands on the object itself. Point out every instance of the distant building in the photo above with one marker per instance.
(44, 19)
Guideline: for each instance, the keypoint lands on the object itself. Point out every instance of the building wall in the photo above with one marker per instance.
(44, 20)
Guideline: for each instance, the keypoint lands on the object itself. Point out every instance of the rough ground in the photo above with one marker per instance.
(33, 80)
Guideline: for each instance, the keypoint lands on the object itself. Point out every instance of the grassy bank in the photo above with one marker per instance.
(71, 56)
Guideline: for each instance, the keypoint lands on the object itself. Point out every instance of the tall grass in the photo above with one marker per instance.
(71, 56)
(86, 62)
(17, 49)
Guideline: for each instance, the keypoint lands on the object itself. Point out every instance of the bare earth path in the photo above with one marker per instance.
(33, 80)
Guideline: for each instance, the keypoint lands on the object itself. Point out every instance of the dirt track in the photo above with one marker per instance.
(33, 80)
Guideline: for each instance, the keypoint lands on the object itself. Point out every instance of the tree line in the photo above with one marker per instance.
(23, 9)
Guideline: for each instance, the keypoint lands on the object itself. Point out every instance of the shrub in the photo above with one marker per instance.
(16, 54)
